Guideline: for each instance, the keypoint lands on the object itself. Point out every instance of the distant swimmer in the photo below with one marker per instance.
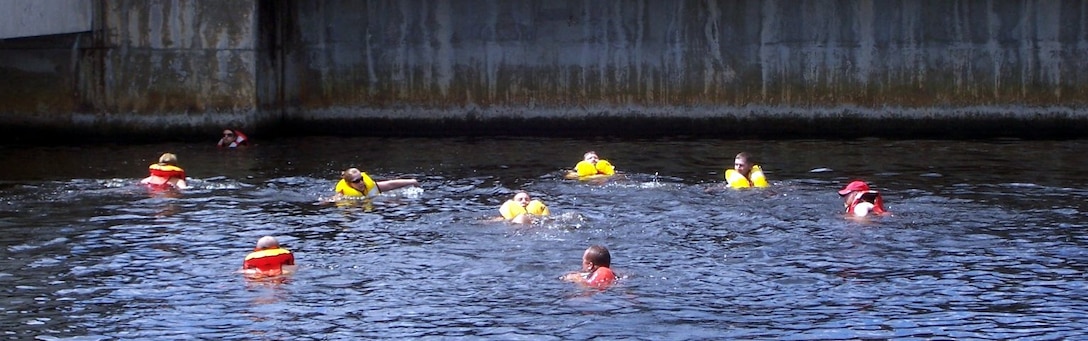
(596, 269)
(591, 167)
(269, 259)
(354, 183)
(744, 173)
(860, 201)
(233, 138)
(166, 173)
(522, 208)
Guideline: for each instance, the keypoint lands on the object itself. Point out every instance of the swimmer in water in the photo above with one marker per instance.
(354, 183)
(596, 269)
(861, 201)
(591, 166)
(269, 259)
(166, 173)
(232, 138)
(522, 208)
(745, 173)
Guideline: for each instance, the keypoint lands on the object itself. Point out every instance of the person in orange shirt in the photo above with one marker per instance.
(596, 269)
(269, 259)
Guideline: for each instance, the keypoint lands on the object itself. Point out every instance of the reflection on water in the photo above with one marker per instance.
(986, 242)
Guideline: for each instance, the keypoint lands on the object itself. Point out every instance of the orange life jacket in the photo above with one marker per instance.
(166, 171)
(270, 261)
(601, 278)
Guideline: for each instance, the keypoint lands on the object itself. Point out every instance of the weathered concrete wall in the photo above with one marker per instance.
(28, 18)
(678, 53)
(150, 69)
(736, 61)
(177, 64)
(730, 67)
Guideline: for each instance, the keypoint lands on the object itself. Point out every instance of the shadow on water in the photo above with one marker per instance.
(985, 241)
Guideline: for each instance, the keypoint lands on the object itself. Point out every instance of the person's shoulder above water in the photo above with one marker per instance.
(596, 269)
(745, 173)
(591, 166)
(355, 183)
(166, 173)
(859, 200)
(233, 138)
(522, 208)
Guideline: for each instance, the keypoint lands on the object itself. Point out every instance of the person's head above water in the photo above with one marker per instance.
(168, 159)
(596, 256)
(352, 175)
(860, 200)
(591, 156)
(522, 198)
(267, 242)
(742, 164)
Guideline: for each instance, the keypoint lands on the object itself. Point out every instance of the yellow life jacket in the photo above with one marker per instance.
(345, 189)
(603, 167)
(736, 180)
(512, 209)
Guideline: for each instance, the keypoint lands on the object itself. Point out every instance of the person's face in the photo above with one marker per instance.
(522, 199)
(228, 135)
(358, 184)
(742, 166)
(586, 264)
(592, 158)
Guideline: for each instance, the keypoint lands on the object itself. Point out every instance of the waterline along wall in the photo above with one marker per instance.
(914, 69)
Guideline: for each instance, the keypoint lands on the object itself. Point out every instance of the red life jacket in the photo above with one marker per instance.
(601, 278)
(270, 261)
(166, 171)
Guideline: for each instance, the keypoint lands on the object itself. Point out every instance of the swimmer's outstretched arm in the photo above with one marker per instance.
(389, 185)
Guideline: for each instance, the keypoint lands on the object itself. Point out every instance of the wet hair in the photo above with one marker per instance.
(599, 256)
(743, 155)
(351, 174)
(590, 152)
(168, 159)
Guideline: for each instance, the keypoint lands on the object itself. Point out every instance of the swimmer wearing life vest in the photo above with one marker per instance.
(744, 174)
(166, 173)
(521, 209)
(354, 183)
(269, 259)
(233, 138)
(860, 201)
(596, 269)
(591, 167)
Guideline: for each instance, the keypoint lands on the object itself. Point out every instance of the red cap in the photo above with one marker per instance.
(854, 186)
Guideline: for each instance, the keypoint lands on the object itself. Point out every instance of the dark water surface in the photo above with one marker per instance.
(986, 242)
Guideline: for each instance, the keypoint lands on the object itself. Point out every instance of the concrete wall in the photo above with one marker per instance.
(678, 53)
(28, 18)
(149, 69)
(185, 65)
(767, 68)
(729, 61)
